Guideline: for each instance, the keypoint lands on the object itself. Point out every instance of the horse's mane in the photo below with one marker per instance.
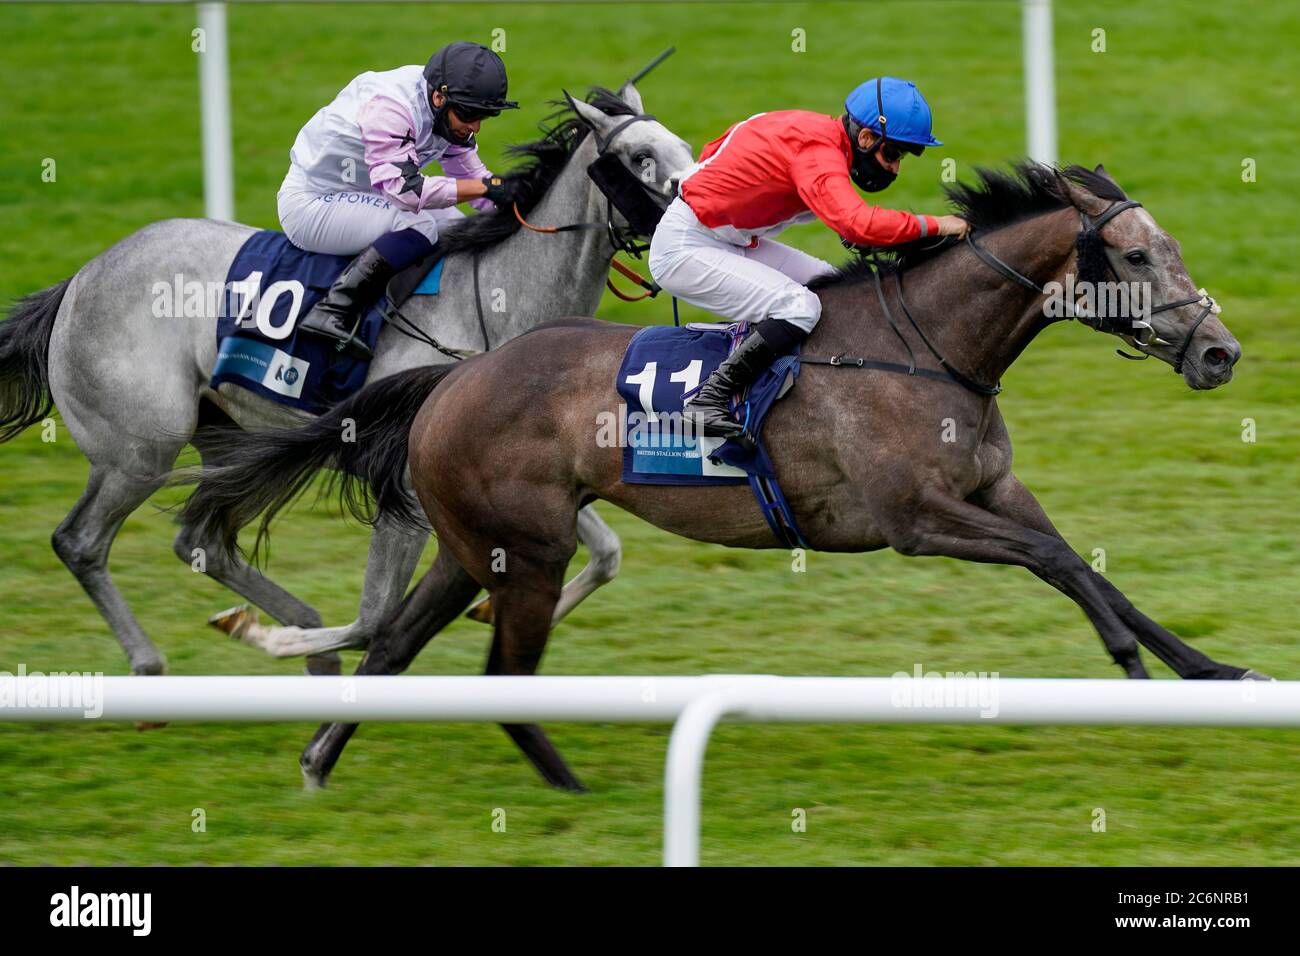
(544, 158)
(997, 199)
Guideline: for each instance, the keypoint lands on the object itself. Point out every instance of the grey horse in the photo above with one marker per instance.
(133, 388)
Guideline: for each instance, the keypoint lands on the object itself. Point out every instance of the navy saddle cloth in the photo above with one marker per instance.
(270, 285)
(664, 364)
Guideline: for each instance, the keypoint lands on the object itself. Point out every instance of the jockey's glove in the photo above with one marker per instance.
(502, 191)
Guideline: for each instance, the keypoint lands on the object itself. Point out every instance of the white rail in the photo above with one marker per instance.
(214, 114)
(696, 704)
(1040, 79)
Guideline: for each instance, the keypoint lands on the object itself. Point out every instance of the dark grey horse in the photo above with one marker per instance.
(504, 450)
(133, 388)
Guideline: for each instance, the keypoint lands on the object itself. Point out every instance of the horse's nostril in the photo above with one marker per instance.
(1218, 357)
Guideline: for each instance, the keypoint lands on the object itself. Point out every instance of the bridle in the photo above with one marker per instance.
(1121, 325)
(622, 238)
(1101, 323)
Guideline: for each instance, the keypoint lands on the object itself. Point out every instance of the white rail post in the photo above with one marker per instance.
(685, 766)
(1040, 80)
(214, 104)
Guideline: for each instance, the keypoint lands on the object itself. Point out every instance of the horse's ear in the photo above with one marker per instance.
(629, 95)
(589, 114)
(1080, 198)
(1102, 169)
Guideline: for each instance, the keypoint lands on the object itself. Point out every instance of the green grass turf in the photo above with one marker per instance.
(1199, 528)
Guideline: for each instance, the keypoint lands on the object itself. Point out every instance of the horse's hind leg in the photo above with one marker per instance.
(82, 542)
(394, 555)
(606, 553)
(242, 578)
(523, 608)
(443, 593)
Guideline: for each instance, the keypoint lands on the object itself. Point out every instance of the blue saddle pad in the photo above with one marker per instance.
(270, 285)
(662, 365)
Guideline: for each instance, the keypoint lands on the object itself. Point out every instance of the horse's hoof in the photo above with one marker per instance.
(312, 780)
(1255, 675)
(567, 783)
(481, 612)
(235, 621)
(150, 725)
(324, 665)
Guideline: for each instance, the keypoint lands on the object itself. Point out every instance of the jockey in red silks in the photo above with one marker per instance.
(712, 247)
(354, 182)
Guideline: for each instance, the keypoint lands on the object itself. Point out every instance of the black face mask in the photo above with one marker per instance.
(866, 171)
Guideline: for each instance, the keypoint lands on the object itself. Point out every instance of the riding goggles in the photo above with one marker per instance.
(892, 150)
(470, 114)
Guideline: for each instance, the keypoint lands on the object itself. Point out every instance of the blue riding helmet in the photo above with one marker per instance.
(893, 107)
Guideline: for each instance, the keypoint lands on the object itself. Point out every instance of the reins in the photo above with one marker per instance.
(949, 373)
(652, 288)
(1101, 323)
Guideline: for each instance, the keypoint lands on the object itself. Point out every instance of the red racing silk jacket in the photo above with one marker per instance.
(792, 166)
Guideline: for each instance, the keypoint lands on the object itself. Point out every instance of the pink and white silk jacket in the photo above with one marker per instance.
(377, 135)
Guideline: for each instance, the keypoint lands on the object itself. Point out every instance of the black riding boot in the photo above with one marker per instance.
(338, 315)
(712, 403)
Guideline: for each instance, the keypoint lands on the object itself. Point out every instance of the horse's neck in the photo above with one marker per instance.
(565, 271)
(977, 319)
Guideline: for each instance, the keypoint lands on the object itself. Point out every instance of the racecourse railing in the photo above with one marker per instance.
(694, 704)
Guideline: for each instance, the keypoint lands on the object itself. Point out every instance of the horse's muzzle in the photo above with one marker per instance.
(1213, 365)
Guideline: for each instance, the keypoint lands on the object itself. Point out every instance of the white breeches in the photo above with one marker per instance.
(344, 223)
(768, 281)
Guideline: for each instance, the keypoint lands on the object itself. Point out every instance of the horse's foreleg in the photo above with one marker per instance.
(606, 554)
(443, 593)
(1012, 500)
(943, 525)
(394, 554)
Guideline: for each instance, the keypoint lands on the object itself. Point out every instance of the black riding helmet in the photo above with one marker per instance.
(470, 76)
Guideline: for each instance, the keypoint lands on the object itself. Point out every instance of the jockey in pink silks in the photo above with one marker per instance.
(354, 183)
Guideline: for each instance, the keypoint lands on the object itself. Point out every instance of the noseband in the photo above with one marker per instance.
(1121, 325)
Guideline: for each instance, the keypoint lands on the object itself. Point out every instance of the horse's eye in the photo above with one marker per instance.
(1137, 257)
(641, 157)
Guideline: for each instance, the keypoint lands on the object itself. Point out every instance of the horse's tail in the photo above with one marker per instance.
(363, 437)
(25, 360)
